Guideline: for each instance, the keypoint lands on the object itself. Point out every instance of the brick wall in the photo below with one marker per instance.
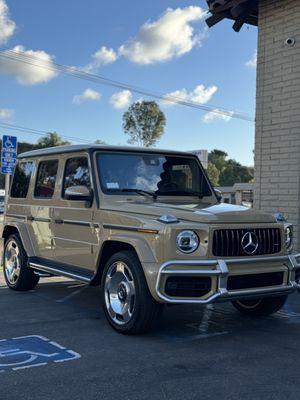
(277, 142)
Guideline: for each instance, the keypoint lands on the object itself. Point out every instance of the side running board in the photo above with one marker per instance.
(59, 271)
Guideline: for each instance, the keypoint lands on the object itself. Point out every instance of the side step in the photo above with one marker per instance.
(60, 271)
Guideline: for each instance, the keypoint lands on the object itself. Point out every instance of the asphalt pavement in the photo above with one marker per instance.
(195, 353)
(56, 344)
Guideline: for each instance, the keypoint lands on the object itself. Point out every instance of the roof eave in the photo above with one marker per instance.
(241, 11)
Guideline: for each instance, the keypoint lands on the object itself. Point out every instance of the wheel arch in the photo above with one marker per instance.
(115, 245)
(16, 229)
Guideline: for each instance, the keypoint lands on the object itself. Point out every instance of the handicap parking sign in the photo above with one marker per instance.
(8, 154)
(32, 351)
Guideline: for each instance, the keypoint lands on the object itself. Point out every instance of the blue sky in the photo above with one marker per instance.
(173, 53)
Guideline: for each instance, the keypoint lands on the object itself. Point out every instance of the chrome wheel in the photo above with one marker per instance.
(12, 262)
(119, 293)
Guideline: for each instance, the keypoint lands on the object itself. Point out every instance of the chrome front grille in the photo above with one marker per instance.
(228, 242)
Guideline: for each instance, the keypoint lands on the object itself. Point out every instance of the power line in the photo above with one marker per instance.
(98, 79)
(38, 132)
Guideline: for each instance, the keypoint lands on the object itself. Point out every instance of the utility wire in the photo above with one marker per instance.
(98, 79)
(38, 132)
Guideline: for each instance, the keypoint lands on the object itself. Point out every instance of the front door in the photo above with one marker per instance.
(74, 235)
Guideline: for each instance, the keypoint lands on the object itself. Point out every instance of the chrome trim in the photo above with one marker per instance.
(18, 216)
(221, 271)
(76, 222)
(131, 229)
(59, 272)
(40, 219)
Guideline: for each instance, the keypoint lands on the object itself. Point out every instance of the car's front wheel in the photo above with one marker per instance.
(260, 307)
(17, 274)
(127, 302)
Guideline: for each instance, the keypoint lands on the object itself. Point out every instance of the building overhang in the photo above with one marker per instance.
(241, 11)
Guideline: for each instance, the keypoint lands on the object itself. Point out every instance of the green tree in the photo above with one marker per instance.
(144, 122)
(218, 158)
(213, 174)
(51, 139)
(230, 171)
(233, 173)
(99, 141)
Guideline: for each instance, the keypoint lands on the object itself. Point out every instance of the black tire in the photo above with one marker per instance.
(25, 279)
(145, 311)
(260, 307)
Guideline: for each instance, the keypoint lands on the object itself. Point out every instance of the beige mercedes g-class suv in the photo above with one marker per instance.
(148, 227)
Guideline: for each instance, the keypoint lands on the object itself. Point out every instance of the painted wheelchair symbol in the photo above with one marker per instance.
(29, 356)
(32, 351)
(8, 143)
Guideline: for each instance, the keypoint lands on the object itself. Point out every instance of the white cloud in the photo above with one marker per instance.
(200, 95)
(7, 26)
(121, 99)
(6, 114)
(87, 95)
(28, 74)
(169, 36)
(103, 56)
(217, 114)
(252, 63)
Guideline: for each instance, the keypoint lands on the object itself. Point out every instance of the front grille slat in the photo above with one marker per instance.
(228, 242)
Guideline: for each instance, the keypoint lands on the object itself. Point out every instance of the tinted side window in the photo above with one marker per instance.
(46, 177)
(77, 173)
(21, 180)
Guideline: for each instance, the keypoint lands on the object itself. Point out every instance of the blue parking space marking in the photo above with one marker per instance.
(32, 351)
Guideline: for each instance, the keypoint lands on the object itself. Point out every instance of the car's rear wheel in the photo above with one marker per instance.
(260, 307)
(127, 302)
(17, 274)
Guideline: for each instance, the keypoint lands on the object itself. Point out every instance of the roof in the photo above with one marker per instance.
(241, 11)
(236, 187)
(225, 189)
(243, 186)
(93, 147)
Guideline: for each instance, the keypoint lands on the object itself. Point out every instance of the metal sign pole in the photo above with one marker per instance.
(7, 185)
(8, 161)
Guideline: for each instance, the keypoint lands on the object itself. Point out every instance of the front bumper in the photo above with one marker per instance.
(219, 270)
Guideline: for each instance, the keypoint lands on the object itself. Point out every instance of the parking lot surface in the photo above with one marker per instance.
(195, 353)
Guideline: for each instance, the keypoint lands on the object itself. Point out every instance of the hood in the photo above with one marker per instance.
(219, 213)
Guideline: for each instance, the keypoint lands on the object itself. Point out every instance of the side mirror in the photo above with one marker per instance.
(219, 195)
(79, 193)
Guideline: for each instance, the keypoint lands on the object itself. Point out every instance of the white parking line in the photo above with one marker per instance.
(73, 294)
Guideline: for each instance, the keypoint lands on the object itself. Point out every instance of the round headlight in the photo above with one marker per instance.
(288, 237)
(187, 241)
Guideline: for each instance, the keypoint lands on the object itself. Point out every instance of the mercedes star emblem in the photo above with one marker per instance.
(250, 243)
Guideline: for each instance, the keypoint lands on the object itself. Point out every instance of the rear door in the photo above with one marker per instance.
(74, 234)
(42, 203)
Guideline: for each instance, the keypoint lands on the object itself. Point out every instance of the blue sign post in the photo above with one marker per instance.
(8, 159)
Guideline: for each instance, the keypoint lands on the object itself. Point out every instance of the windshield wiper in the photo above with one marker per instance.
(141, 192)
(183, 193)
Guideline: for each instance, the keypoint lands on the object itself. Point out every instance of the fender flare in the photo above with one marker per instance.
(24, 235)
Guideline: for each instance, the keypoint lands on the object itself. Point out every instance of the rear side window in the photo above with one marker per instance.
(21, 180)
(77, 173)
(46, 178)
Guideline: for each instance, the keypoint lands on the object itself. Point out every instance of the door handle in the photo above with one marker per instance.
(59, 221)
(30, 218)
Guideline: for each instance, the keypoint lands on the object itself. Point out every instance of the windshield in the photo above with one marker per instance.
(155, 173)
